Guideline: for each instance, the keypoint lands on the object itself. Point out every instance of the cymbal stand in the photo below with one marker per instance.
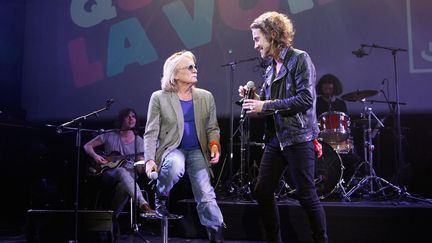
(400, 163)
(371, 184)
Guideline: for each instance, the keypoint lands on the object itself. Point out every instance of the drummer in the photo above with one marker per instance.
(328, 88)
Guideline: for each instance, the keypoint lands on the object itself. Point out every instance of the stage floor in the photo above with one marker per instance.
(402, 220)
(359, 220)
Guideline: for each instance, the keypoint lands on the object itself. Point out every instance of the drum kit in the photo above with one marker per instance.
(335, 126)
(335, 137)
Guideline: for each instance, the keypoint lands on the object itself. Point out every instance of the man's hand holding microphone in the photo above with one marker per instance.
(151, 170)
(251, 101)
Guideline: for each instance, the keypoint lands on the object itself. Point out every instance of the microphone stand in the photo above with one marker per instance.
(245, 182)
(237, 184)
(399, 156)
(134, 222)
(401, 191)
(78, 129)
(233, 66)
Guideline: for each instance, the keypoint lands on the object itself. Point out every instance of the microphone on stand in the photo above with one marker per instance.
(108, 103)
(250, 85)
(360, 52)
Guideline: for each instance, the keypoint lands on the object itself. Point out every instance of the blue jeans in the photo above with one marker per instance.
(300, 159)
(173, 168)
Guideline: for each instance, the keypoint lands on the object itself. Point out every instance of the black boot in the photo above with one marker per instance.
(215, 235)
(161, 206)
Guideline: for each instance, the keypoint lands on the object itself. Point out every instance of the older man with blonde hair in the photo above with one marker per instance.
(182, 134)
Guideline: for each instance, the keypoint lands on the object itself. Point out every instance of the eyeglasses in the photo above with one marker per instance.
(190, 67)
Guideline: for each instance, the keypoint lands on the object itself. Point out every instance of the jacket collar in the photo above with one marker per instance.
(283, 71)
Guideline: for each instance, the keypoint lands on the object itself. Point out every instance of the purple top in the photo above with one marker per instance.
(190, 138)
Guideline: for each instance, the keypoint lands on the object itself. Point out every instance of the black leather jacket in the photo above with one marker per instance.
(293, 104)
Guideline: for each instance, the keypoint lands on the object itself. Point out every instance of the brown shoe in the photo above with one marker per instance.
(145, 208)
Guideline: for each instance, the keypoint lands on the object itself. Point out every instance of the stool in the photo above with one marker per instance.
(164, 223)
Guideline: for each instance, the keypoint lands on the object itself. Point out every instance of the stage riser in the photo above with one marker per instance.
(59, 226)
(346, 222)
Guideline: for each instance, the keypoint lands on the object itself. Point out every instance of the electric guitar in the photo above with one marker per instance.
(115, 159)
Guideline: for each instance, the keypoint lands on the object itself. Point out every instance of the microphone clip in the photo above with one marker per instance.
(108, 103)
(359, 53)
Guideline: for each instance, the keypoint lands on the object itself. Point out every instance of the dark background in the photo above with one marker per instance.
(40, 85)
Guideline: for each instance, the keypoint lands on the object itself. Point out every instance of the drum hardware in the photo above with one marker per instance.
(343, 147)
(370, 183)
(284, 189)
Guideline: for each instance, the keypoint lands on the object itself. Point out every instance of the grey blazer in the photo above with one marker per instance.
(165, 123)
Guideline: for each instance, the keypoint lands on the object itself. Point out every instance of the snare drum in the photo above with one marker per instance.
(334, 126)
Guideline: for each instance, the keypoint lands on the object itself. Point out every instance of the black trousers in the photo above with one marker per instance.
(300, 159)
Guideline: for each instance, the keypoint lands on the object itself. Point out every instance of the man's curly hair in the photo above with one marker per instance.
(277, 28)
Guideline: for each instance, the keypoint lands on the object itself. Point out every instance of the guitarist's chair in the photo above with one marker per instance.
(100, 193)
(97, 193)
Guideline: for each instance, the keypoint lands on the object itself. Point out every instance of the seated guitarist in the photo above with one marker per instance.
(123, 142)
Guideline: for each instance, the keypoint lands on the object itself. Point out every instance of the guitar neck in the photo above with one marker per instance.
(121, 157)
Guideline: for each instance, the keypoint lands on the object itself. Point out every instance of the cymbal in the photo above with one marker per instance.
(359, 95)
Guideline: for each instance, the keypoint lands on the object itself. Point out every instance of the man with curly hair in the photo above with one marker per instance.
(287, 99)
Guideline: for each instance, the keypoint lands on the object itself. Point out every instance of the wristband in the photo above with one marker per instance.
(214, 143)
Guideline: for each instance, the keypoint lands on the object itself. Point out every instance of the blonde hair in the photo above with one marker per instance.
(277, 28)
(168, 82)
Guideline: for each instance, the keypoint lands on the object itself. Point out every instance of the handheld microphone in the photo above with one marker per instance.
(250, 85)
(360, 52)
(153, 176)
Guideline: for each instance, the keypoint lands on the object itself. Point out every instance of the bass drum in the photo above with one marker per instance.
(329, 174)
(329, 171)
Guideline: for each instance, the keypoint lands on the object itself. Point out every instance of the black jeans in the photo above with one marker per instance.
(300, 158)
